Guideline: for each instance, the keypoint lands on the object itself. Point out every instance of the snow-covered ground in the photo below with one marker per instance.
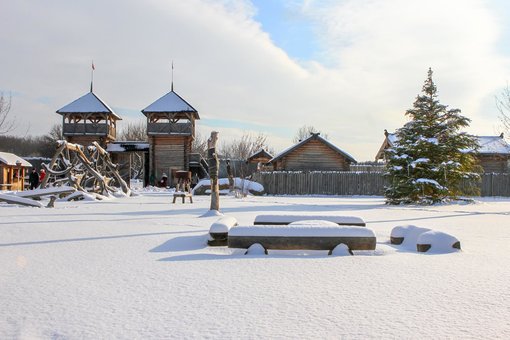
(139, 268)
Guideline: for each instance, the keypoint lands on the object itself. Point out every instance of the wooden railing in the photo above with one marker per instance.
(169, 129)
(70, 129)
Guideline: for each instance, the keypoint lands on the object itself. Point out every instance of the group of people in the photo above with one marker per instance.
(35, 178)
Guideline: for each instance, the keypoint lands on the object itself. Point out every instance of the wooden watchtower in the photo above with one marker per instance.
(89, 119)
(170, 130)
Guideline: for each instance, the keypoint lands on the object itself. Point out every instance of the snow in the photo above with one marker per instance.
(317, 229)
(256, 249)
(410, 233)
(493, 145)
(240, 183)
(440, 242)
(170, 102)
(88, 103)
(139, 268)
(223, 225)
(428, 181)
(11, 159)
(341, 250)
(285, 219)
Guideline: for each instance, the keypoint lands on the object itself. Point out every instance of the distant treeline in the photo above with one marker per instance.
(29, 146)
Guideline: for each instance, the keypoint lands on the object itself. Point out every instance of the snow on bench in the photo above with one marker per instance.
(219, 231)
(437, 242)
(310, 235)
(423, 239)
(407, 233)
(286, 219)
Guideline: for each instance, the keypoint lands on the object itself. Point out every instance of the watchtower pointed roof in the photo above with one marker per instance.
(171, 103)
(88, 103)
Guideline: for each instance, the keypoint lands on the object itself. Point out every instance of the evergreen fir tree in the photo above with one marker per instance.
(430, 158)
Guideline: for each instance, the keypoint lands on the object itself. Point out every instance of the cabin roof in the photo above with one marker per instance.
(171, 103)
(260, 154)
(493, 145)
(11, 159)
(88, 103)
(313, 136)
(489, 145)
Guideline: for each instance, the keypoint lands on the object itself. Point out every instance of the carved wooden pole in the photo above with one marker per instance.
(212, 160)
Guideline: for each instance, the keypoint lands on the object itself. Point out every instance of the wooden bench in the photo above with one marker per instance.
(300, 235)
(219, 231)
(182, 195)
(287, 219)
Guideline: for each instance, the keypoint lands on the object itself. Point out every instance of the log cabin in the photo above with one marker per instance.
(313, 154)
(12, 171)
(493, 152)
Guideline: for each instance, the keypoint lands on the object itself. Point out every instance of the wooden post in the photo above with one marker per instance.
(212, 160)
(230, 177)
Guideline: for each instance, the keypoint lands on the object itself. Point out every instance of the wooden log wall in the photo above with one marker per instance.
(354, 183)
(169, 153)
(313, 155)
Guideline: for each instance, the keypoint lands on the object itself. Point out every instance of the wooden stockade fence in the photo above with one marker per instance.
(354, 183)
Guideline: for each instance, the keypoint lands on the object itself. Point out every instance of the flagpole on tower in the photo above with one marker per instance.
(92, 76)
(172, 76)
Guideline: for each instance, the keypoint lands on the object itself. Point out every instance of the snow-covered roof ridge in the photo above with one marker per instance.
(13, 160)
(493, 145)
(488, 144)
(88, 103)
(313, 136)
(170, 102)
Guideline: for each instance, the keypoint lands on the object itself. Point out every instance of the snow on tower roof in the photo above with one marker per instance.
(89, 103)
(171, 102)
(12, 160)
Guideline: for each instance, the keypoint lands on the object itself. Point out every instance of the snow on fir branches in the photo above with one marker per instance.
(431, 156)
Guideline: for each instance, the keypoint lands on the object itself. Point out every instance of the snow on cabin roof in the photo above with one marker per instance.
(11, 159)
(89, 103)
(493, 145)
(488, 144)
(171, 102)
(260, 153)
(313, 136)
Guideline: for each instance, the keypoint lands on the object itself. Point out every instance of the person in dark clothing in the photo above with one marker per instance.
(33, 179)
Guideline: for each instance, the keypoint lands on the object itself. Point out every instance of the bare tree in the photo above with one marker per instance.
(503, 105)
(199, 145)
(134, 132)
(6, 124)
(244, 147)
(304, 132)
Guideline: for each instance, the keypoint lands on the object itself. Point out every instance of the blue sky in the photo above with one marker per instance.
(350, 68)
(288, 27)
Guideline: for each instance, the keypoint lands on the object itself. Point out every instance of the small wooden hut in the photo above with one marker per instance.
(12, 171)
(261, 158)
(313, 154)
(170, 131)
(88, 119)
(494, 154)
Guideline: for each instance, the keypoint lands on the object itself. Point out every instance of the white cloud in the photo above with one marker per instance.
(375, 58)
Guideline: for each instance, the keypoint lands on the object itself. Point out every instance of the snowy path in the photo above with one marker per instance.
(139, 268)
